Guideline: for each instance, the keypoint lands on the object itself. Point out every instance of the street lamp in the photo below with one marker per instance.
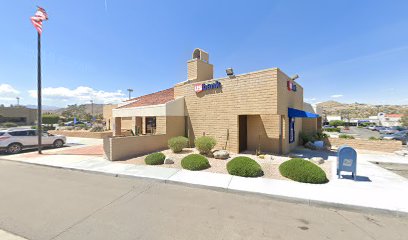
(130, 92)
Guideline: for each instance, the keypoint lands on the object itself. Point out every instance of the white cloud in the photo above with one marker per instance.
(310, 99)
(79, 95)
(336, 96)
(8, 92)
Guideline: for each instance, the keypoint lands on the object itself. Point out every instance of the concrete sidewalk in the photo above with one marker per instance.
(376, 189)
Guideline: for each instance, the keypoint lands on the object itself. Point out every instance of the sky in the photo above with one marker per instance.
(343, 50)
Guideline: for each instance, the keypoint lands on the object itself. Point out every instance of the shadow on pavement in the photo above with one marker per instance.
(358, 178)
(307, 153)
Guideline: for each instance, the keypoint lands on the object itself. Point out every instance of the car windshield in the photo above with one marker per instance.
(2, 133)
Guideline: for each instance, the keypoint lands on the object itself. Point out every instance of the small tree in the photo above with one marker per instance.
(337, 123)
(50, 118)
(404, 121)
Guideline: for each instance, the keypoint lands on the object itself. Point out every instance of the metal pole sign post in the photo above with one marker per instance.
(39, 114)
(39, 16)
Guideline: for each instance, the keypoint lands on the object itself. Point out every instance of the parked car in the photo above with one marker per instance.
(390, 130)
(71, 123)
(328, 126)
(15, 140)
(400, 136)
(379, 128)
(372, 127)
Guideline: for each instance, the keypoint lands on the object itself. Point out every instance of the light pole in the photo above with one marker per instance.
(92, 113)
(130, 92)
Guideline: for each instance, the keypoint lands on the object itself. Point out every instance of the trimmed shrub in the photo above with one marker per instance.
(50, 119)
(337, 123)
(244, 167)
(9, 125)
(306, 137)
(155, 159)
(301, 170)
(97, 128)
(332, 130)
(345, 136)
(204, 144)
(177, 144)
(317, 136)
(195, 162)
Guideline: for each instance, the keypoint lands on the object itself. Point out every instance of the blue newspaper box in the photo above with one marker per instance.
(347, 160)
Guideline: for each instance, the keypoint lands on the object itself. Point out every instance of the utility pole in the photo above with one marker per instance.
(130, 92)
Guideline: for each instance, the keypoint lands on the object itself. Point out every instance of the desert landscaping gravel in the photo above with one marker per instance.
(270, 164)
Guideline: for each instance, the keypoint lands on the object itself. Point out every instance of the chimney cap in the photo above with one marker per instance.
(201, 55)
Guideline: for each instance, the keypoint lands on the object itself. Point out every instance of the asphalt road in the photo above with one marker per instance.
(48, 203)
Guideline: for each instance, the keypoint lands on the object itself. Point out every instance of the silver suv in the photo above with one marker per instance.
(15, 140)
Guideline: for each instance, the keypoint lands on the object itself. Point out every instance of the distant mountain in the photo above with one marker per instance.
(97, 109)
(44, 107)
(358, 110)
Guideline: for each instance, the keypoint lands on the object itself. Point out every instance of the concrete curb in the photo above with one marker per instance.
(296, 200)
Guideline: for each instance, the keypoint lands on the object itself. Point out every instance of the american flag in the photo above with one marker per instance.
(39, 16)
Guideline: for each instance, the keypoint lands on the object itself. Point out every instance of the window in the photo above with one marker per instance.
(32, 133)
(2, 133)
(19, 133)
(150, 125)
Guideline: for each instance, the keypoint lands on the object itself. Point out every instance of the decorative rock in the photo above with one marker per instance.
(221, 154)
(168, 160)
(294, 155)
(268, 157)
(317, 160)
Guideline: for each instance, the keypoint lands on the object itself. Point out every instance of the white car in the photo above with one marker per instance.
(15, 140)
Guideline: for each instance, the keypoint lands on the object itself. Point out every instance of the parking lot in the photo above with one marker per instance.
(74, 146)
(362, 133)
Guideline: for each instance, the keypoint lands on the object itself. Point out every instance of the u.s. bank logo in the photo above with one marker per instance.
(202, 87)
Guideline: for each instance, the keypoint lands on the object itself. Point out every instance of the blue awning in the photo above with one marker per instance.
(296, 113)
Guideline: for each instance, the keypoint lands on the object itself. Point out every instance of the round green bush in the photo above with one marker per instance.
(177, 144)
(244, 167)
(204, 144)
(195, 162)
(301, 170)
(155, 158)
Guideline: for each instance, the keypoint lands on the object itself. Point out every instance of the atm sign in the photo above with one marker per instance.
(291, 86)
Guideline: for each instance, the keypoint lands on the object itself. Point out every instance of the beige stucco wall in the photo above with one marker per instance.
(20, 112)
(309, 125)
(107, 115)
(364, 144)
(289, 99)
(263, 131)
(198, 70)
(215, 112)
(119, 148)
(82, 134)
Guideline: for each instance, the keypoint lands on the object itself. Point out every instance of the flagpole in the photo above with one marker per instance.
(39, 113)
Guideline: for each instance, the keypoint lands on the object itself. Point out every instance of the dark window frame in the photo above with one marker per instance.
(151, 129)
